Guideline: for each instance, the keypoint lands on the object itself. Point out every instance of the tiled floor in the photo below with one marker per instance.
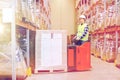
(101, 70)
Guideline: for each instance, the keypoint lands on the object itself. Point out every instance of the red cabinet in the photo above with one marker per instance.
(79, 57)
(71, 58)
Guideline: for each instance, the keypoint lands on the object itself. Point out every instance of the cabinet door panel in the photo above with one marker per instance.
(56, 52)
(57, 36)
(45, 50)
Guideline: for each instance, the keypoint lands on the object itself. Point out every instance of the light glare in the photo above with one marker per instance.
(1, 28)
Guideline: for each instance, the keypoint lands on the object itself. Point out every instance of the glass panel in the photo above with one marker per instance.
(21, 52)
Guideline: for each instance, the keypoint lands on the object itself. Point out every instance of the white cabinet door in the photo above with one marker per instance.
(56, 49)
(46, 49)
(51, 49)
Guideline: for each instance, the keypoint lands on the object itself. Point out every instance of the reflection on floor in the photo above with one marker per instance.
(101, 70)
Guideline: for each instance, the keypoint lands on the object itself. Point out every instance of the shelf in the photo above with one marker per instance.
(111, 29)
(107, 30)
(101, 32)
(25, 25)
(118, 28)
(96, 9)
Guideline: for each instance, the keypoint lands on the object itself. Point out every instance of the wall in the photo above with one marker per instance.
(63, 15)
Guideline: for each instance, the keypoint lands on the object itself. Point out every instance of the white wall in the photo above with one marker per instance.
(63, 15)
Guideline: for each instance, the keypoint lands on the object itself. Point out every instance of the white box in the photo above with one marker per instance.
(51, 50)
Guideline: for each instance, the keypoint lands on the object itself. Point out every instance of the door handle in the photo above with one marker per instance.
(51, 35)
